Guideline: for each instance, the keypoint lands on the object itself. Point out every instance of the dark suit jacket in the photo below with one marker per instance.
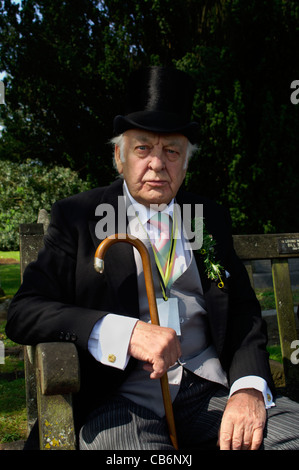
(62, 296)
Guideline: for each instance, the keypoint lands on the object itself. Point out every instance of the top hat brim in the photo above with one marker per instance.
(158, 122)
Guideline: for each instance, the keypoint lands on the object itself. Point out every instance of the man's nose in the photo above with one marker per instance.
(157, 159)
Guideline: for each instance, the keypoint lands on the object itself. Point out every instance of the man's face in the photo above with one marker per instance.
(154, 165)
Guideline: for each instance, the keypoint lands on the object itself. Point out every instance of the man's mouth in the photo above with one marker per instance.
(156, 183)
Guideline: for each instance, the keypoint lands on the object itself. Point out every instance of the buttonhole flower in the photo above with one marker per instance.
(207, 252)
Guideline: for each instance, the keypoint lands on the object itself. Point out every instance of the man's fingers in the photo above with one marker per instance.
(158, 347)
(240, 440)
(243, 421)
(257, 438)
(157, 369)
(247, 440)
(233, 438)
(225, 436)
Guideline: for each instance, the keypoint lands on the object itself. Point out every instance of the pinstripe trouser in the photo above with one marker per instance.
(121, 424)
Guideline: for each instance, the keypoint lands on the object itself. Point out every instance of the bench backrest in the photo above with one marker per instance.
(277, 248)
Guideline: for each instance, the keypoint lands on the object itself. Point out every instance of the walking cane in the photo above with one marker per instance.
(99, 267)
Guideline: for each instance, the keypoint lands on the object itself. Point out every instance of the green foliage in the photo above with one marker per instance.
(68, 62)
(248, 157)
(25, 189)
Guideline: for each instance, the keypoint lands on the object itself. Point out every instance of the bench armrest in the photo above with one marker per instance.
(58, 368)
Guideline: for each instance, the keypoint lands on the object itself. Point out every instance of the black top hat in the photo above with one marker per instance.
(159, 100)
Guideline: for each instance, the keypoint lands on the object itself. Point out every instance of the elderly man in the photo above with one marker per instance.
(211, 342)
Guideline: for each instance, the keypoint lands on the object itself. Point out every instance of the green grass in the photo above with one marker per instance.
(13, 418)
(7, 342)
(10, 275)
(275, 352)
(10, 254)
(267, 301)
(10, 278)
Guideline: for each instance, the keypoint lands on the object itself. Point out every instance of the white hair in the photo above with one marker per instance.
(191, 149)
(119, 142)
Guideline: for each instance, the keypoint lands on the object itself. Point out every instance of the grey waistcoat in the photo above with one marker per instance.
(198, 354)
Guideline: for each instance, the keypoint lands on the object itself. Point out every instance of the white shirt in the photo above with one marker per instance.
(110, 337)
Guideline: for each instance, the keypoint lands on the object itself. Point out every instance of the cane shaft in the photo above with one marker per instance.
(151, 296)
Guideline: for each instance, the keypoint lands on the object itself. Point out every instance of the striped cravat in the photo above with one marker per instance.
(162, 244)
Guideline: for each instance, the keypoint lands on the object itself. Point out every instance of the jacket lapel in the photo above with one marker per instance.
(120, 269)
(216, 299)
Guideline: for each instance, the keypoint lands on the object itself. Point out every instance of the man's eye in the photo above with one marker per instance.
(142, 149)
(172, 153)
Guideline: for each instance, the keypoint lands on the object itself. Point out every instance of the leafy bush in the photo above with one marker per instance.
(25, 189)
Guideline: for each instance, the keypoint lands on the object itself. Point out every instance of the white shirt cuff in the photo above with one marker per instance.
(110, 338)
(258, 383)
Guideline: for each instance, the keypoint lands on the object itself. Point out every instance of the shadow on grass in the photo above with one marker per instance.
(10, 278)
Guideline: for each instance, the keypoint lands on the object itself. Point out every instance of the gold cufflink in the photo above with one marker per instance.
(268, 397)
(111, 358)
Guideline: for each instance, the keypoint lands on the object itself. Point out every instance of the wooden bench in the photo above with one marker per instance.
(277, 248)
(52, 370)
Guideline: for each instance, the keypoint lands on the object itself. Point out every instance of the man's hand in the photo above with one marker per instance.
(158, 347)
(243, 421)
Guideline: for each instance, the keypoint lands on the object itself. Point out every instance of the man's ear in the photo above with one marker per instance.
(118, 161)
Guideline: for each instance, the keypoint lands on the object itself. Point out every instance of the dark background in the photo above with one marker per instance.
(67, 63)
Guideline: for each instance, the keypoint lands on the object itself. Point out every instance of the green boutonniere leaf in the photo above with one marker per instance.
(207, 251)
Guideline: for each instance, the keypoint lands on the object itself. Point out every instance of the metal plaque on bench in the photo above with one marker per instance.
(288, 245)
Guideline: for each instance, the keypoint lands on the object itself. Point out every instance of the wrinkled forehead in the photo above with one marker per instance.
(145, 137)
